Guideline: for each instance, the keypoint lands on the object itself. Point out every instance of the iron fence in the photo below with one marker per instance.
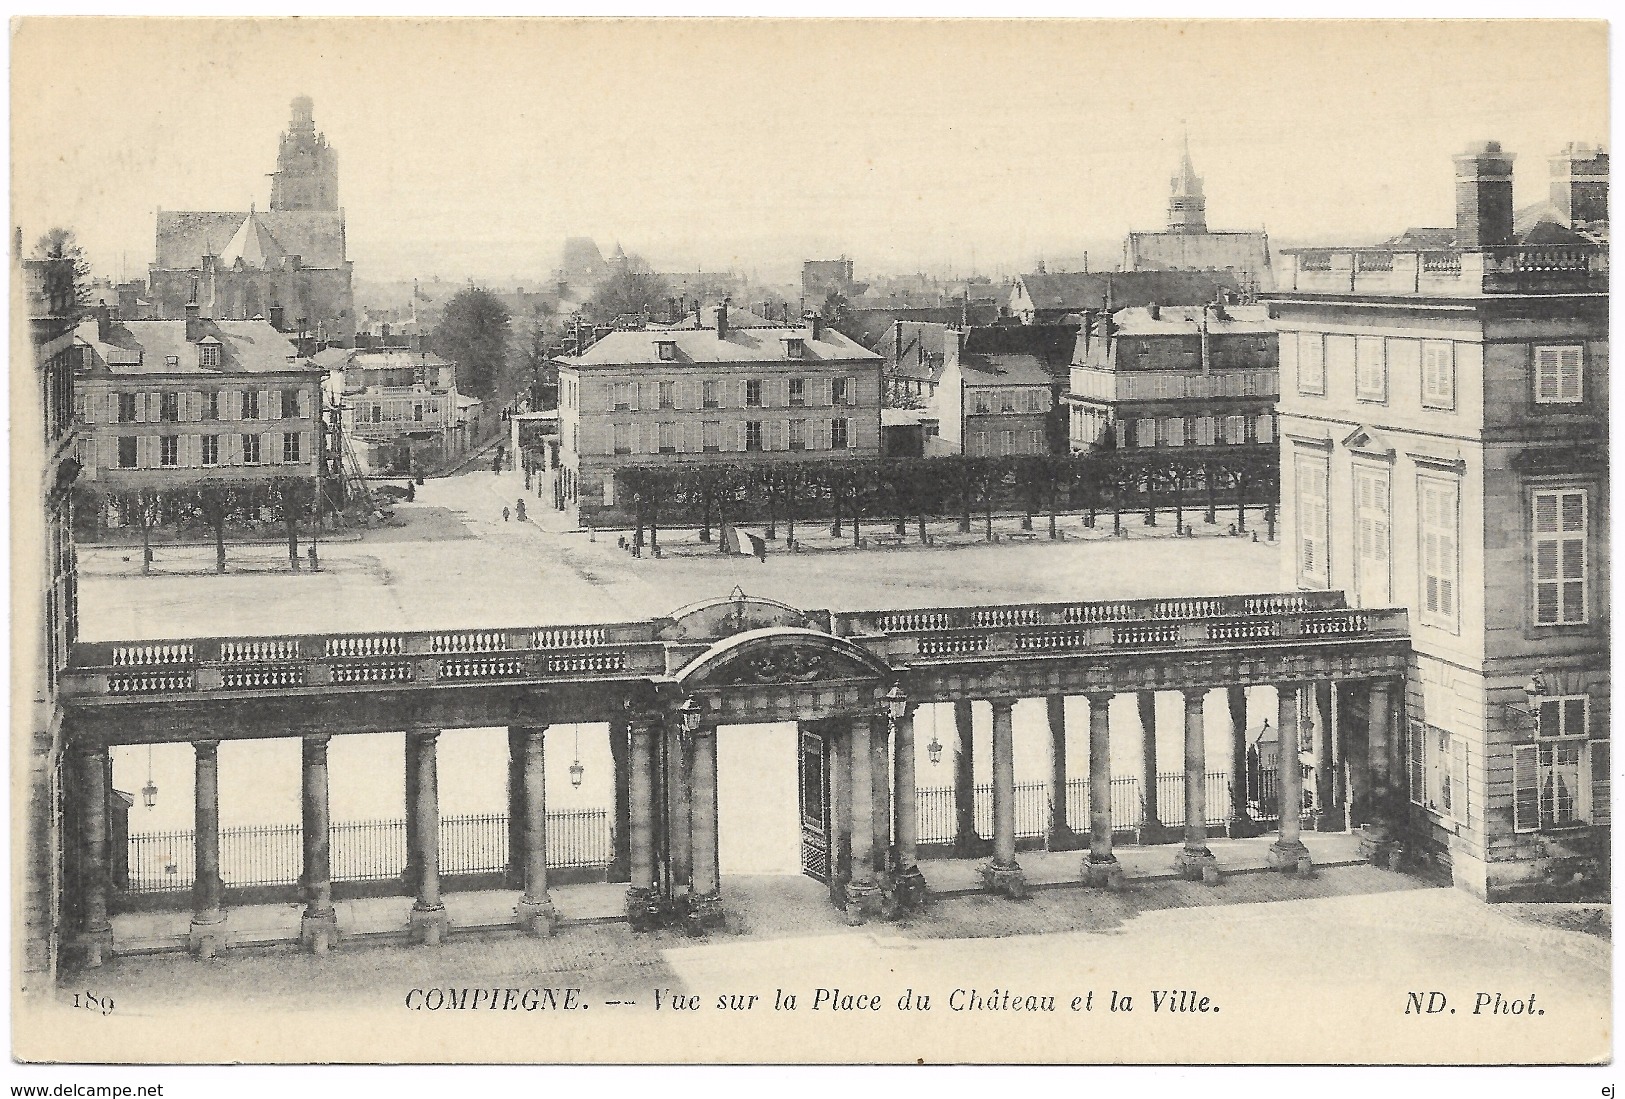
(360, 850)
(1125, 804)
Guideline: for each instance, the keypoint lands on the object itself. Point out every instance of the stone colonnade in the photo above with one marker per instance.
(670, 810)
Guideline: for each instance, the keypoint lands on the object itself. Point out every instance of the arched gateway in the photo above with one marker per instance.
(769, 662)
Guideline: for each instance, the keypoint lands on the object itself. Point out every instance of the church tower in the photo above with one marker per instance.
(1187, 209)
(307, 169)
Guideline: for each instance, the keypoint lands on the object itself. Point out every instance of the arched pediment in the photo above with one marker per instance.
(735, 614)
(782, 656)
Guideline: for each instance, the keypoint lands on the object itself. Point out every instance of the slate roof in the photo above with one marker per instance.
(1073, 291)
(701, 345)
(185, 236)
(143, 347)
(1182, 321)
(1004, 369)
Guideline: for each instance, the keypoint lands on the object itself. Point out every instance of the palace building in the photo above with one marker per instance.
(1443, 440)
(714, 392)
(287, 264)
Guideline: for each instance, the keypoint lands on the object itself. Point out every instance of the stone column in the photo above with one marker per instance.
(967, 844)
(319, 926)
(880, 767)
(641, 824)
(428, 923)
(1195, 861)
(1241, 823)
(1100, 865)
(862, 895)
(679, 824)
(535, 907)
(207, 935)
(706, 910)
(1003, 873)
(1319, 731)
(840, 811)
(516, 806)
(1060, 835)
(1331, 706)
(620, 737)
(1379, 836)
(1357, 753)
(96, 933)
(911, 885)
(414, 856)
(1288, 853)
(1151, 830)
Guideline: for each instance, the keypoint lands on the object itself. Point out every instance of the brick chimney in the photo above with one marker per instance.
(194, 317)
(815, 323)
(104, 322)
(1579, 185)
(1483, 196)
(722, 319)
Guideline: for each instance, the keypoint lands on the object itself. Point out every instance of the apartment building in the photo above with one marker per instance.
(710, 392)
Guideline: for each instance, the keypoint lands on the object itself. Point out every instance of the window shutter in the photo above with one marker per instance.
(1569, 374)
(1525, 788)
(692, 441)
(741, 436)
(1548, 368)
(112, 409)
(1418, 774)
(823, 435)
(145, 454)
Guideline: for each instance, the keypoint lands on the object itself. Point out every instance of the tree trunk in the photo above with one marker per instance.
(835, 528)
(1054, 503)
(1150, 499)
(790, 513)
(1212, 493)
(705, 517)
(987, 502)
(293, 543)
(1241, 505)
(964, 518)
(772, 515)
(220, 546)
(146, 549)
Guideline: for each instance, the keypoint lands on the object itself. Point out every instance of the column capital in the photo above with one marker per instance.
(206, 748)
(1004, 702)
(1197, 695)
(1099, 698)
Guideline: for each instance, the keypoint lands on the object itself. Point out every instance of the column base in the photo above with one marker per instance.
(208, 937)
(909, 891)
(428, 925)
(536, 917)
(642, 908)
(705, 911)
(1104, 873)
(1287, 857)
(1379, 846)
(1154, 832)
(1008, 879)
(1328, 820)
(863, 899)
(1064, 839)
(1197, 864)
(319, 931)
(94, 947)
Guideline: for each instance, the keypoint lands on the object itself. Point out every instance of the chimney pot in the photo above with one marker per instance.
(1483, 196)
(722, 319)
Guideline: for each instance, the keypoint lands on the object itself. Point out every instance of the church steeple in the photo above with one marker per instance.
(307, 169)
(1187, 208)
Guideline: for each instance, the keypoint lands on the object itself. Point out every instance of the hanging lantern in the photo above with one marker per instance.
(577, 771)
(933, 750)
(149, 792)
(688, 714)
(896, 703)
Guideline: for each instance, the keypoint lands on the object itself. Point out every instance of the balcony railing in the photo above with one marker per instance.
(1511, 269)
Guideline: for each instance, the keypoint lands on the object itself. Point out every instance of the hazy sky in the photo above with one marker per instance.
(475, 148)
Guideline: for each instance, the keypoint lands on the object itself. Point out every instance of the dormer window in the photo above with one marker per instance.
(668, 349)
(208, 353)
(795, 348)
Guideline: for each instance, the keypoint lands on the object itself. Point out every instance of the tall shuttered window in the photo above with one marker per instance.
(1552, 777)
(1372, 533)
(1440, 556)
(1313, 531)
(1560, 555)
(1438, 374)
(1311, 363)
(1558, 377)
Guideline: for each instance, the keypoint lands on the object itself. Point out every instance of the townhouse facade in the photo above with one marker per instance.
(1163, 376)
(710, 393)
(1443, 443)
(170, 403)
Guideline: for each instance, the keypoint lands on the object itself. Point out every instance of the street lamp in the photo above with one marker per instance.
(933, 750)
(688, 717)
(896, 703)
(577, 771)
(149, 792)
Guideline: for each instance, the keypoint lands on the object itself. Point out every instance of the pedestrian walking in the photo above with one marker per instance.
(504, 515)
(519, 510)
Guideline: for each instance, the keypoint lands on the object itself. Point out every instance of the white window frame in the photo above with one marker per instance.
(1373, 531)
(1560, 538)
(1370, 370)
(1312, 511)
(169, 450)
(668, 437)
(1437, 771)
(1438, 555)
(844, 434)
(1311, 359)
(1438, 370)
(1563, 365)
(1562, 725)
(209, 450)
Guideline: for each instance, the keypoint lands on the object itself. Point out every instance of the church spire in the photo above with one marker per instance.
(1187, 208)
